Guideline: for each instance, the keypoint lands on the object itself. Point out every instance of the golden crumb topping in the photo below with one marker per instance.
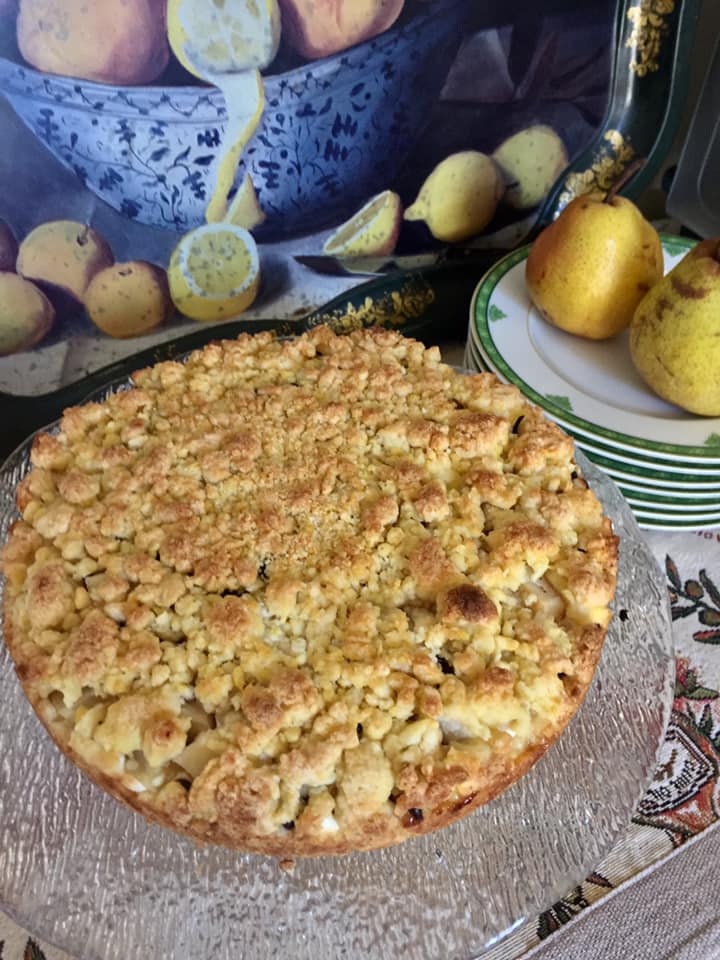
(313, 592)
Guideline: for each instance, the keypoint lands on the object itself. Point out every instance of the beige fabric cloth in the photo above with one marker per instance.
(671, 912)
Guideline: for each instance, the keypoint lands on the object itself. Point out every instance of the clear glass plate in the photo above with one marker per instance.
(84, 873)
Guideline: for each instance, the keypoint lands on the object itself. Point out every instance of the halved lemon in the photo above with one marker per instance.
(213, 38)
(371, 232)
(214, 272)
(227, 43)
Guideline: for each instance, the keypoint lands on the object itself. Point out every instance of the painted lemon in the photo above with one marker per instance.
(214, 272)
(211, 38)
(227, 44)
(371, 232)
(245, 210)
(530, 162)
(460, 196)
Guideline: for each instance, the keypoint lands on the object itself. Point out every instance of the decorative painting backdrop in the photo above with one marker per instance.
(139, 163)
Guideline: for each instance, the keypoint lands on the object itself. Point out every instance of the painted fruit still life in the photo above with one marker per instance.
(211, 161)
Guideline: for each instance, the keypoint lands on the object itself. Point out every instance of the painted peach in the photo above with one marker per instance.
(26, 314)
(319, 28)
(128, 299)
(116, 41)
(64, 254)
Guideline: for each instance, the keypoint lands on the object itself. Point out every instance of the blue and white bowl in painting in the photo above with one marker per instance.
(333, 131)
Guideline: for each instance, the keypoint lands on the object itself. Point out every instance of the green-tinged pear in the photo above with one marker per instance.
(675, 333)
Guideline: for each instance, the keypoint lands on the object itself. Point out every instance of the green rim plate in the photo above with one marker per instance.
(571, 378)
(647, 475)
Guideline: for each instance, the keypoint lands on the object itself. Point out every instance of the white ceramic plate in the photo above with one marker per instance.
(675, 493)
(650, 508)
(670, 476)
(646, 473)
(683, 473)
(666, 501)
(652, 522)
(656, 480)
(592, 385)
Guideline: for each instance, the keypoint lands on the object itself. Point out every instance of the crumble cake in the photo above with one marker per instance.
(307, 596)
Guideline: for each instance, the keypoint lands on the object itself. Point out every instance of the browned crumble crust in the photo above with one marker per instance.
(307, 596)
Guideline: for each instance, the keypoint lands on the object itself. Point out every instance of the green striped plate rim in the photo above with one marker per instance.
(481, 316)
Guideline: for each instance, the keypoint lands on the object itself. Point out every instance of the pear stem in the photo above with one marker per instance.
(628, 173)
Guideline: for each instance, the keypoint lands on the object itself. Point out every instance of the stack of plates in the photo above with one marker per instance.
(665, 461)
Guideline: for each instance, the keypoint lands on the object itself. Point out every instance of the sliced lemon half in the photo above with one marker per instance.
(227, 43)
(371, 232)
(212, 38)
(214, 272)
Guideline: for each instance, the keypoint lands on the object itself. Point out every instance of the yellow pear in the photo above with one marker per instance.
(675, 333)
(588, 270)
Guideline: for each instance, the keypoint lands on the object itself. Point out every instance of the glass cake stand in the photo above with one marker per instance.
(84, 873)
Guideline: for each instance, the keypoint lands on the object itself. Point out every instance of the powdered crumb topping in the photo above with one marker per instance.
(307, 595)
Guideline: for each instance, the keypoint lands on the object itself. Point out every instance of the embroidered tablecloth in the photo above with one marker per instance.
(683, 799)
